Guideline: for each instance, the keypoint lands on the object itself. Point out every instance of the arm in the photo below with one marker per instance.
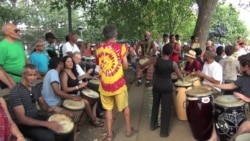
(64, 84)
(124, 52)
(23, 119)
(27, 61)
(13, 128)
(60, 93)
(229, 86)
(137, 48)
(242, 97)
(177, 71)
(43, 105)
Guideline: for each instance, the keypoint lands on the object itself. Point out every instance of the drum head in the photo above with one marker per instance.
(191, 78)
(90, 93)
(64, 121)
(199, 92)
(94, 81)
(143, 61)
(73, 105)
(243, 137)
(88, 58)
(182, 83)
(228, 101)
(174, 76)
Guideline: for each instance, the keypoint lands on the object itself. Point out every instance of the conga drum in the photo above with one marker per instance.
(76, 107)
(243, 137)
(64, 121)
(228, 116)
(200, 112)
(195, 80)
(180, 98)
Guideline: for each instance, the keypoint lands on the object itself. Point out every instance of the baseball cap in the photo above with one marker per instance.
(50, 35)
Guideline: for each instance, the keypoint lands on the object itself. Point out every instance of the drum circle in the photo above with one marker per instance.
(228, 116)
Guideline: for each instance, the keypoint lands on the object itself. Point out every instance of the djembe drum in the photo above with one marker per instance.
(180, 98)
(94, 84)
(90, 95)
(143, 61)
(64, 121)
(200, 112)
(76, 107)
(228, 116)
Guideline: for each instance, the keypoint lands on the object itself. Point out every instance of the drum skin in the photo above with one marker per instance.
(228, 119)
(200, 116)
(180, 102)
(243, 137)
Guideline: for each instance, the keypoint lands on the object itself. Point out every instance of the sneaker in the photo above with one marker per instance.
(147, 84)
(138, 83)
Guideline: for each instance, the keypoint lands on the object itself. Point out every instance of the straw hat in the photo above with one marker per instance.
(191, 54)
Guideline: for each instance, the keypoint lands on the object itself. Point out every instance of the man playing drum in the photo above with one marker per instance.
(192, 65)
(112, 59)
(148, 50)
(23, 109)
(212, 71)
(243, 83)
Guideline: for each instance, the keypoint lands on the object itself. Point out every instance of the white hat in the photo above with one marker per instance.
(79, 40)
(191, 54)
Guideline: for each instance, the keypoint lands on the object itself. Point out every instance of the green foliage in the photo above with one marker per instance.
(227, 16)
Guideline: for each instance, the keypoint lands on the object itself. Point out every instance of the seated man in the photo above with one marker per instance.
(192, 64)
(22, 105)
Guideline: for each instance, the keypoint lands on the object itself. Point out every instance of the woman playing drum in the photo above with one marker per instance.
(163, 90)
(70, 84)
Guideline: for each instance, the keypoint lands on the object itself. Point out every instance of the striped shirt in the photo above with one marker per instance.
(20, 95)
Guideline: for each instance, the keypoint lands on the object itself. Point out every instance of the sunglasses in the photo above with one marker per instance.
(33, 100)
(17, 30)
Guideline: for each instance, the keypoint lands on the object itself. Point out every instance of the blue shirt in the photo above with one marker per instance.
(40, 60)
(52, 76)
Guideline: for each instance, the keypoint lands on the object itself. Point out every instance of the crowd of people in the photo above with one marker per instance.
(64, 77)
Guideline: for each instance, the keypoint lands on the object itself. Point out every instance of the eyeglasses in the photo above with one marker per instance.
(33, 100)
(17, 30)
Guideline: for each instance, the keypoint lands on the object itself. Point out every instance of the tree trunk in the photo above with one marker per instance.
(206, 11)
(69, 2)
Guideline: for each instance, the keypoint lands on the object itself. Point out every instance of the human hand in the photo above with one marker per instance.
(83, 84)
(90, 71)
(54, 126)
(21, 138)
(76, 98)
(199, 73)
(240, 96)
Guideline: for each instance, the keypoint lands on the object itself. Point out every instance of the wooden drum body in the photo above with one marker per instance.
(200, 112)
(180, 99)
(228, 116)
(76, 107)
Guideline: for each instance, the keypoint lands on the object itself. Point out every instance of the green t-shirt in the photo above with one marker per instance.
(12, 58)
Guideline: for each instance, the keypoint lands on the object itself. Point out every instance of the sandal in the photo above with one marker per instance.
(107, 138)
(96, 123)
(132, 132)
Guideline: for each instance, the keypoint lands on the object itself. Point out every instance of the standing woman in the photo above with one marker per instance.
(163, 90)
(7, 125)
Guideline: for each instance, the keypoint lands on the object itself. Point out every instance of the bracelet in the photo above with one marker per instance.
(77, 87)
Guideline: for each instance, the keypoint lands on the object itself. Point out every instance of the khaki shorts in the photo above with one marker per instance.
(121, 101)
